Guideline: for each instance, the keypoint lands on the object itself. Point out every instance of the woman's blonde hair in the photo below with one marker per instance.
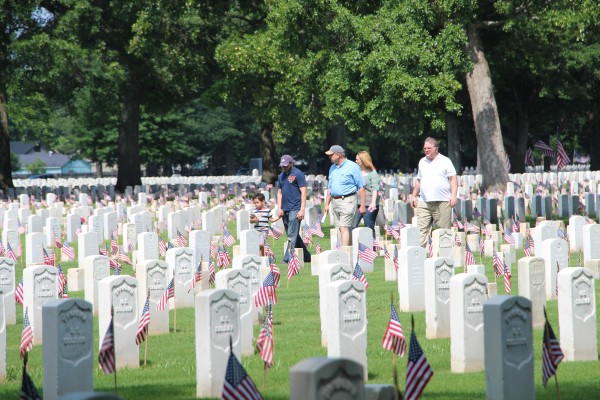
(365, 158)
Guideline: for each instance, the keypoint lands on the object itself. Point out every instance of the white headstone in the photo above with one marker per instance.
(200, 244)
(34, 253)
(180, 260)
(508, 342)
(328, 273)
(252, 264)
(438, 271)
(238, 280)
(362, 236)
(532, 285)
(68, 356)
(577, 314)
(409, 236)
(591, 242)
(411, 282)
(249, 242)
(217, 314)
(468, 293)
(95, 268)
(556, 254)
(443, 242)
(154, 276)
(119, 293)
(347, 328)
(7, 289)
(40, 286)
(147, 246)
(88, 246)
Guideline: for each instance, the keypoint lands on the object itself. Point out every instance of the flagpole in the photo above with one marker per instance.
(265, 376)
(174, 309)
(394, 368)
(112, 314)
(547, 335)
(147, 337)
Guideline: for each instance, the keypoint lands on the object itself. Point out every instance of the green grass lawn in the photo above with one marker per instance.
(170, 372)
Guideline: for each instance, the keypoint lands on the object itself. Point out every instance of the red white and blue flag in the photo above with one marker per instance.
(359, 275)
(144, 322)
(393, 339)
(106, 356)
(366, 254)
(169, 293)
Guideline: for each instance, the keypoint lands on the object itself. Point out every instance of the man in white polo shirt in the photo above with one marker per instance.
(437, 184)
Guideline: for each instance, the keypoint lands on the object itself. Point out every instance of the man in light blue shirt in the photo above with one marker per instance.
(345, 186)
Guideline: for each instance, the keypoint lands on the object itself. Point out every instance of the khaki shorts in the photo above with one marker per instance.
(344, 211)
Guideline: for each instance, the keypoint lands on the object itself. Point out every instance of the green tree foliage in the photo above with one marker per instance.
(36, 167)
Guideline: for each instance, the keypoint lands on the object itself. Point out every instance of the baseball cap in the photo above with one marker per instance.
(334, 149)
(286, 160)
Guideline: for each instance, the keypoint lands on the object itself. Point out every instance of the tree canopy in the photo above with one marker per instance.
(210, 84)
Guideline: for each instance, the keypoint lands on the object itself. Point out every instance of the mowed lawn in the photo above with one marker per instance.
(171, 367)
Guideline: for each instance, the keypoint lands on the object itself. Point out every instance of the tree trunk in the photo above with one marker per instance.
(99, 171)
(522, 132)
(129, 172)
(269, 168)
(5, 168)
(485, 115)
(594, 135)
(453, 141)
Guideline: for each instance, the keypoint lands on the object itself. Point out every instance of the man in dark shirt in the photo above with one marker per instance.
(291, 202)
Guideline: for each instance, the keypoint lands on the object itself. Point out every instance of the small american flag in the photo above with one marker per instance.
(57, 242)
(169, 293)
(547, 150)
(238, 385)
(62, 283)
(393, 339)
(212, 250)
(264, 341)
(268, 250)
(469, 257)
(293, 266)
(552, 354)
(366, 254)
(418, 371)
(266, 293)
(106, 356)
(338, 245)
(19, 292)
(457, 222)
(228, 238)
(359, 275)
(162, 247)
(181, 240)
(26, 336)
(10, 253)
(67, 251)
(142, 331)
(223, 259)
(125, 258)
(527, 248)
(396, 258)
(508, 236)
(104, 251)
(507, 276)
(457, 241)
(317, 247)
(48, 258)
(197, 275)
(562, 158)
(211, 272)
(114, 246)
(498, 264)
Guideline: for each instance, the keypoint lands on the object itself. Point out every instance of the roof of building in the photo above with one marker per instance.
(52, 160)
